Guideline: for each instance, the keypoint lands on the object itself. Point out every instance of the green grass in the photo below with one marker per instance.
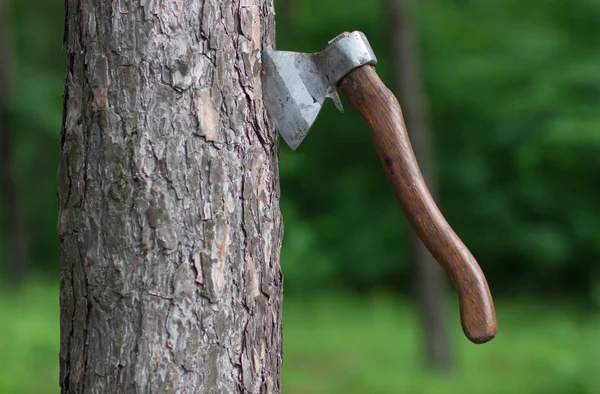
(29, 339)
(348, 345)
(342, 345)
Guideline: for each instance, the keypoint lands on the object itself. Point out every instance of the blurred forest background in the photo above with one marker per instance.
(508, 98)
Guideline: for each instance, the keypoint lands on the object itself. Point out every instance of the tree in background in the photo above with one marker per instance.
(168, 200)
(286, 10)
(429, 281)
(13, 223)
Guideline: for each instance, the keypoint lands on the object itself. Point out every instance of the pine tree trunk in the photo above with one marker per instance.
(430, 282)
(13, 227)
(169, 216)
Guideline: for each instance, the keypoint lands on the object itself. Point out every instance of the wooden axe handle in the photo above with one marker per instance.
(378, 105)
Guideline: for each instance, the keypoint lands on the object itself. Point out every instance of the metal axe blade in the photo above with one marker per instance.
(295, 85)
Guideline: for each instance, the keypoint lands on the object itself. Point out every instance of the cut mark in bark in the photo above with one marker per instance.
(208, 118)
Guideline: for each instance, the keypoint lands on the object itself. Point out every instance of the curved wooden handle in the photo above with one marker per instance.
(378, 105)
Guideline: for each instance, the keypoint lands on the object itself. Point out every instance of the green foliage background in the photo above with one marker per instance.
(514, 94)
(514, 91)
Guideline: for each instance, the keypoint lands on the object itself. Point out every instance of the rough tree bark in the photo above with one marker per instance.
(169, 216)
(430, 282)
(13, 224)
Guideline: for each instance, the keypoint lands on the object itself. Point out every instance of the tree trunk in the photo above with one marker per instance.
(430, 280)
(169, 216)
(285, 11)
(13, 223)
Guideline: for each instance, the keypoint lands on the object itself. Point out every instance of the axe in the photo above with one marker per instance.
(295, 86)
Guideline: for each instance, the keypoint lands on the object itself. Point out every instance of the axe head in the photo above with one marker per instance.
(295, 85)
